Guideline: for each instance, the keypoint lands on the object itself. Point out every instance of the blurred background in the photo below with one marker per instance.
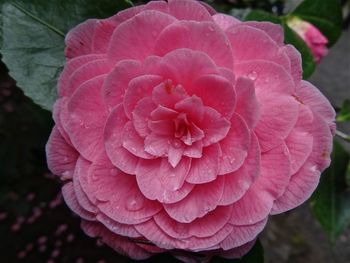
(36, 225)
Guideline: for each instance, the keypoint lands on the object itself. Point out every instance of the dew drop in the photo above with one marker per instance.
(253, 75)
(134, 203)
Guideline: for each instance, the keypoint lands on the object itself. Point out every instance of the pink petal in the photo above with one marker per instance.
(300, 140)
(247, 105)
(157, 145)
(157, 179)
(275, 171)
(86, 120)
(72, 202)
(152, 232)
(139, 88)
(206, 168)
(117, 228)
(103, 31)
(243, 39)
(225, 21)
(295, 63)
(122, 245)
(59, 108)
(214, 126)
(182, 66)
(237, 252)
(85, 73)
(162, 127)
(188, 10)
(133, 142)
(206, 226)
(268, 76)
(119, 156)
(118, 80)
(192, 106)
(141, 114)
(300, 188)
(253, 207)
(167, 94)
(194, 150)
(274, 31)
(206, 37)
(240, 235)
(317, 102)
(199, 202)
(237, 183)
(70, 67)
(135, 38)
(124, 204)
(216, 92)
(175, 155)
(278, 117)
(61, 157)
(234, 146)
(79, 39)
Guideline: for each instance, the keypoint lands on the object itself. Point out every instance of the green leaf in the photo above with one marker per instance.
(331, 201)
(290, 37)
(255, 255)
(326, 15)
(259, 15)
(32, 40)
(344, 113)
(308, 61)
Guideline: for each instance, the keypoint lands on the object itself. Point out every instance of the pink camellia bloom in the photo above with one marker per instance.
(313, 37)
(182, 130)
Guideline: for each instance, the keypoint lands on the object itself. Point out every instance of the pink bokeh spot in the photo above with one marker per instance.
(182, 130)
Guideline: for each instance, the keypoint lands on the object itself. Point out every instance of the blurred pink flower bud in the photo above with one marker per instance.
(313, 37)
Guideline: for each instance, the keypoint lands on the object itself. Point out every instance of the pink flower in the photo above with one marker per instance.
(313, 37)
(179, 129)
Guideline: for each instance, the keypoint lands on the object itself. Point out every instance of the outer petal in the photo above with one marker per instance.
(87, 115)
(61, 157)
(121, 244)
(188, 10)
(202, 199)
(121, 200)
(257, 203)
(79, 39)
(72, 202)
(225, 21)
(274, 31)
(240, 235)
(313, 98)
(70, 67)
(304, 182)
(204, 36)
(85, 73)
(206, 226)
(244, 41)
(134, 39)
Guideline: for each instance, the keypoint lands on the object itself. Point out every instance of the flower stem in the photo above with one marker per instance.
(343, 135)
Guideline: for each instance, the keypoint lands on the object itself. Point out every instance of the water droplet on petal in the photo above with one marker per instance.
(176, 144)
(134, 203)
(252, 75)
